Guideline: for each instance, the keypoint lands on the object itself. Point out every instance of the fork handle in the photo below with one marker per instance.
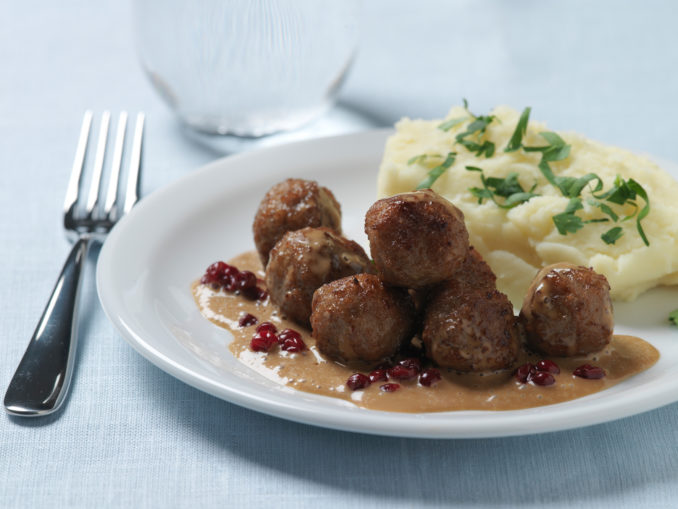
(44, 373)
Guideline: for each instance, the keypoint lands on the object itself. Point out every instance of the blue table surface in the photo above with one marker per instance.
(133, 436)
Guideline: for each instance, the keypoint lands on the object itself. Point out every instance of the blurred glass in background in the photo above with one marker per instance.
(247, 68)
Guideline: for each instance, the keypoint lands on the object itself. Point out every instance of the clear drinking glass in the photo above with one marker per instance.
(247, 68)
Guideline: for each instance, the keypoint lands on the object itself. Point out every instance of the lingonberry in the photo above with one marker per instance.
(378, 375)
(267, 326)
(247, 319)
(411, 363)
(548, 366)
(389, 387)
(400, 372)
(542, 378)
(358, 381)
(293, 344)
(523, 373)
(430, 377)
(262, 341)
(589, 372)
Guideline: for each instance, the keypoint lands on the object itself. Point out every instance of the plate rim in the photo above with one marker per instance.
(465, 424)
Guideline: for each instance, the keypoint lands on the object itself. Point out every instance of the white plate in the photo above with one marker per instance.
(151, 257)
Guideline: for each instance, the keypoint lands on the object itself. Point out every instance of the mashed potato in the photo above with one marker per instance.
(517, 242)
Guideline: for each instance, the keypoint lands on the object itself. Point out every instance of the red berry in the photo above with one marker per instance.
(358, 381)
(430, 377)
(287, 333)
(293, 344)
(411, 363)
(214, 273)
(230, 283)
(246, 320)
(389, 387)
(261, 294)
(589, 372)
(267, 326)
(523, 373)
(263, 341)
(548, 366)
(251, 293)
(400, 372)
(378, 375)
(246, 281)
(542, 378)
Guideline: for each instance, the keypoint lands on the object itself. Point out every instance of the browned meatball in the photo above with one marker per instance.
(360, 319)
(416, 239)
(476, 272)
(470, 329)
(568, 311)
(304, 260)
(289, 206)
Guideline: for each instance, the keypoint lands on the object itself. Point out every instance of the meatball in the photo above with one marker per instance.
(304, 260)
(476, 272)
(470, 329)
(289, 206)
(358, 319)
(567, 311)
(416, 239)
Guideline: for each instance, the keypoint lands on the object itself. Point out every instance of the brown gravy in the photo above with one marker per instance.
(310, 371)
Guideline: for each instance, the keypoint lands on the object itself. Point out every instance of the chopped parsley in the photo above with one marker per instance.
(449, 124)
(673, 317)
(516, 140)
(567, 221)
(421, 158)
(507, 192)
(626, 192)
(436, 172)
(471, 139)
(508, 188)
(611, 235)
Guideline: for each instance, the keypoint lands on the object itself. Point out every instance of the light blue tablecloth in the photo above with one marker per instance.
(133, 436)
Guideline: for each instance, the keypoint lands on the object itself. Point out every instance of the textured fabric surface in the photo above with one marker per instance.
(132, 436)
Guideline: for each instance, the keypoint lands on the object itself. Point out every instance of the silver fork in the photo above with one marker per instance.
(41, 381)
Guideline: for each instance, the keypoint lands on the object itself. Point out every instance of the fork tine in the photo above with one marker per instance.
(112, 195)
(132, 194)
(76, 173)
(93, 197)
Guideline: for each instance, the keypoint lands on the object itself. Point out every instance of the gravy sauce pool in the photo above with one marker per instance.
(310, 371)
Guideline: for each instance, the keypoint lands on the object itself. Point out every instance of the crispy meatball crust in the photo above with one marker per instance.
(358, 319)
(476, 272)
(416, 239)
(470, 329)
(292, 205)
(304, 260)
(568, 311)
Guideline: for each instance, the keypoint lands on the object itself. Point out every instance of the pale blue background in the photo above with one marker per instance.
(132, 436)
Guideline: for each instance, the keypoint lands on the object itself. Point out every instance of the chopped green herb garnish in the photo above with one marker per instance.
(556, 150)
(486, 148)
(421, 158)
(623, 192)
(516, 140)
(612, 235)
(479, 125)
(436, 172)
(508, 188)
(567, 221)
(604, 208)
(673, 317)
(449, 124)
(475, 130)
(644, 211)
